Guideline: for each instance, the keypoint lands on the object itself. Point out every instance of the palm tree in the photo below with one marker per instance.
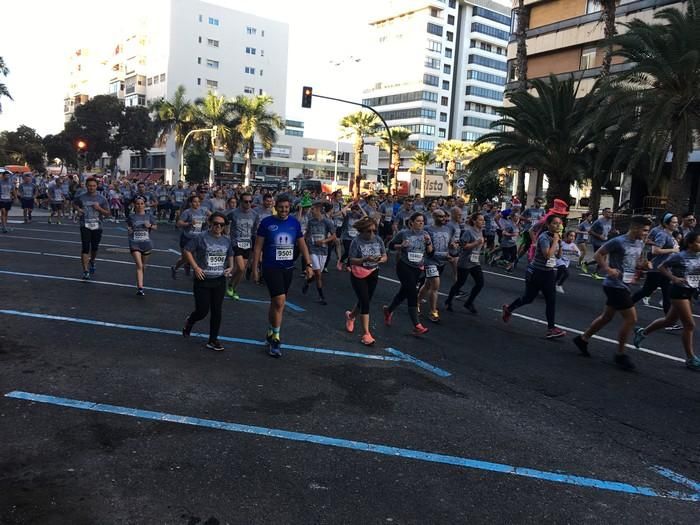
(551, 130)
(359, 125)
(253, 119)
(399, 143)
(452, 152)
(662, 88)
(421, 160)
(4, 71)
(522, 19)
(214, 112)
(173, 117)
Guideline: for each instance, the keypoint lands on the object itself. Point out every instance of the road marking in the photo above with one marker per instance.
(71, 242)
(372, 448)
(99, 259)
(403, 358)
(291, 306)
(71, 232)
(599, 337)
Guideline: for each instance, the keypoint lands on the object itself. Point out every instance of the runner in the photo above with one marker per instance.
(241, 222)
(414, 245)
(7, 196)
(211, 257)
(274, 246)
(191, 223)
(569, 252)
(509, 224)
(91, 207)
(599, 232)
(366, 253)
(178, 197)
(320, 233)
(56, 198)
(582, 236)
(621, 258)
(351, 214)
(540, 276)
(683, 272)
(442, 236)
(139, 226)
(28, 192)
(386, 208)
(469, 263)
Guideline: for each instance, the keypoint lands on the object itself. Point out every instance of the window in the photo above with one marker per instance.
(213, 21)
(447, 69)
(156, 79)
(423, 145)
(248, 90)
(200, 18)
(199, 60)
(450, 36)
(199, 39)
(593, 6)
(251, 30)
(250, 70)
(199, 81)
(441, 133)
(262, 52)
(480, 108)
(588, 58)
(483, 92)
(444, 101)
(401, 114)
(149, 81)
(451, 19)
(443, 117)
(294, 132)
(212, 43)
(422, 129)
(261, 72)
(487, 62)
(448, 52)
(260, 91)
(212, 84)
(428, 96)
(496, 17)
(250, 50)
(486, 77)
(471, 136)
(214, 64)
(432, 63)
(433, 45)
(434, 29)
(477, 122)
(452, 3)
(434, 11)
(262, 33)
(142, 100)
(446, 85)
(490, 31)
(162, 77)
(431, 80)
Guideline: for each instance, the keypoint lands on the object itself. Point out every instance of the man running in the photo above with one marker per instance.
(241, 222)
(320, 233)
(28, 192)
(7, 195)
(599, 235)
(276, 239)
(91, 207)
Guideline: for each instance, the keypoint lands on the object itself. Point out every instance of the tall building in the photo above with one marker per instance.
(439, 68)
(86, 78)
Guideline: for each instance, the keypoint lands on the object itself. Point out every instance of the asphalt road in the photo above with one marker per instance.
(107, 415)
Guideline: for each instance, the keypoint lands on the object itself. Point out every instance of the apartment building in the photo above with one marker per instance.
(87, 77)
(439, 69)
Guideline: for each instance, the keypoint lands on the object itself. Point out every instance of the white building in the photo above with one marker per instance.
(439, 69)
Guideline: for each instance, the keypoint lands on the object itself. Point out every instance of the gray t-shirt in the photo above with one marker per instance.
(318, 230)
(540, 261)
(413, 254)
(441, 237)
(91, 218)
(197, 219)
(624, 255)
(602, 227)
(663, 240)
(468, 258)
(241, 227)
(360, 248)
(685, 265)
(210, 253)
(140, 236)
(6, 188)
(348, 231)
(508, 226)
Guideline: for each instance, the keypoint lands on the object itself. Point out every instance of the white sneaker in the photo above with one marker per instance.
(559, 288)
(645, 300)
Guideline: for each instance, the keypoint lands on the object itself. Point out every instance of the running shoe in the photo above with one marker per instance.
(582, 346)
(623, 362)
(322, 301)
(419, 329)
(584, 268)
(339, 266)
(215, 345)
(693, 363)
(235, 296)
(639, 336)
(86, 276)
(92, 267)
(506, 313)
(173, 272)
(470, 308)
(273, 341)
(448, 307)
(231, 292)
(388, 315)
(673, 327)
(554, 333)
(645, 301)
(434, 316)
(325, 270)
(597, 277)
(4, 230)
(187, 329)
(559, 288)
(367, 340)
(140, 292)
(349, 321)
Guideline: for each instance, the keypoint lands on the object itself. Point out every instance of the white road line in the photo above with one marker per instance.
(73, 242)
(71, 232)
(599, 337)
(99, 259)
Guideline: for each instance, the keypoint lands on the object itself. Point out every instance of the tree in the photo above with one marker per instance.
(197, 161)
(137, 131)
(421, 161)
(452, 152)
(97, 122)
(173, 117)
(551, 130)
(483, 187)
(59, 146)
(522, 19)
(254, 119)
(359, 125)
(399, 143)
(24, 145)
(4, 71)
(662, 87)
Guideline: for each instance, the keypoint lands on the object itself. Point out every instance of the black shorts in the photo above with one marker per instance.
(242, 252)
(57, 206)
(164, 206)
(680, 292)
(27, 204)
(90, 239)
(5, 206)
(618, 298)
(278, 280)
(183, 241)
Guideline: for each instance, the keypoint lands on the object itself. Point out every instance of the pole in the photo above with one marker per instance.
(393, 175)
(335, 169)
(182, 151)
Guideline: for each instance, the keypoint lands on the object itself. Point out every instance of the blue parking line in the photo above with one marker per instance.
(361, 446)
(404, 358)
(291, 306)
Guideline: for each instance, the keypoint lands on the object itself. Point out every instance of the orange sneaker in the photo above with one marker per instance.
(349, 321)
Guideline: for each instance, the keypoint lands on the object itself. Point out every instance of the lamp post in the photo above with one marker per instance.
(335, 169)
(182, 152)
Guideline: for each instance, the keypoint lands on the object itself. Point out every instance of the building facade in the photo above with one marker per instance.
(440, 69)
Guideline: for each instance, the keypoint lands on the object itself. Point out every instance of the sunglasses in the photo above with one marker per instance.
(222, 224)
(245, 201)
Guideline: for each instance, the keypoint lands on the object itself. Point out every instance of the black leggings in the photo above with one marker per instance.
(562, 275)
(364, 289)
(209, 294)
(346, 250)
(462, 275)
(409, 277)
(536, 282)
(653, 281)
(90, 240)
(509, 253)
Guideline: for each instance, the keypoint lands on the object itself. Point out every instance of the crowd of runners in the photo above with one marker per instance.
(228, 234)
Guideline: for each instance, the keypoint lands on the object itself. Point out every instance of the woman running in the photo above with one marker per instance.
(192, 224)
(413, 245)
(569, 252)
(211, 257)
(683, 271)
(139, 226)
(582, 235)
(541, 276)
(351, 214)
(469, 262)
(366, 253)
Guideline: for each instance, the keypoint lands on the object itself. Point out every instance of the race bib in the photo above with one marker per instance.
(584, 236)
(551, 262)
(693, 280)
(415, 257)
(197, 225)
(284, 254)
(352, 232)
(628, 277)
(92, 224)
(387, 218)
(58, 195)
(215, 263)
(474, 257)
(315, 237)
(243, 245)
(431, 271)
(5, 194)
(338, 222)
(141, 235)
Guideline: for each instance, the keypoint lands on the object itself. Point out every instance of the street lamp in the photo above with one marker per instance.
(211, 130)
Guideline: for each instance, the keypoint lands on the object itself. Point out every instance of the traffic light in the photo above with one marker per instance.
(306, 95)
(80, 145)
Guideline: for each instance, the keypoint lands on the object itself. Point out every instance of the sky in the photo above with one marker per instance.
(326, 39)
